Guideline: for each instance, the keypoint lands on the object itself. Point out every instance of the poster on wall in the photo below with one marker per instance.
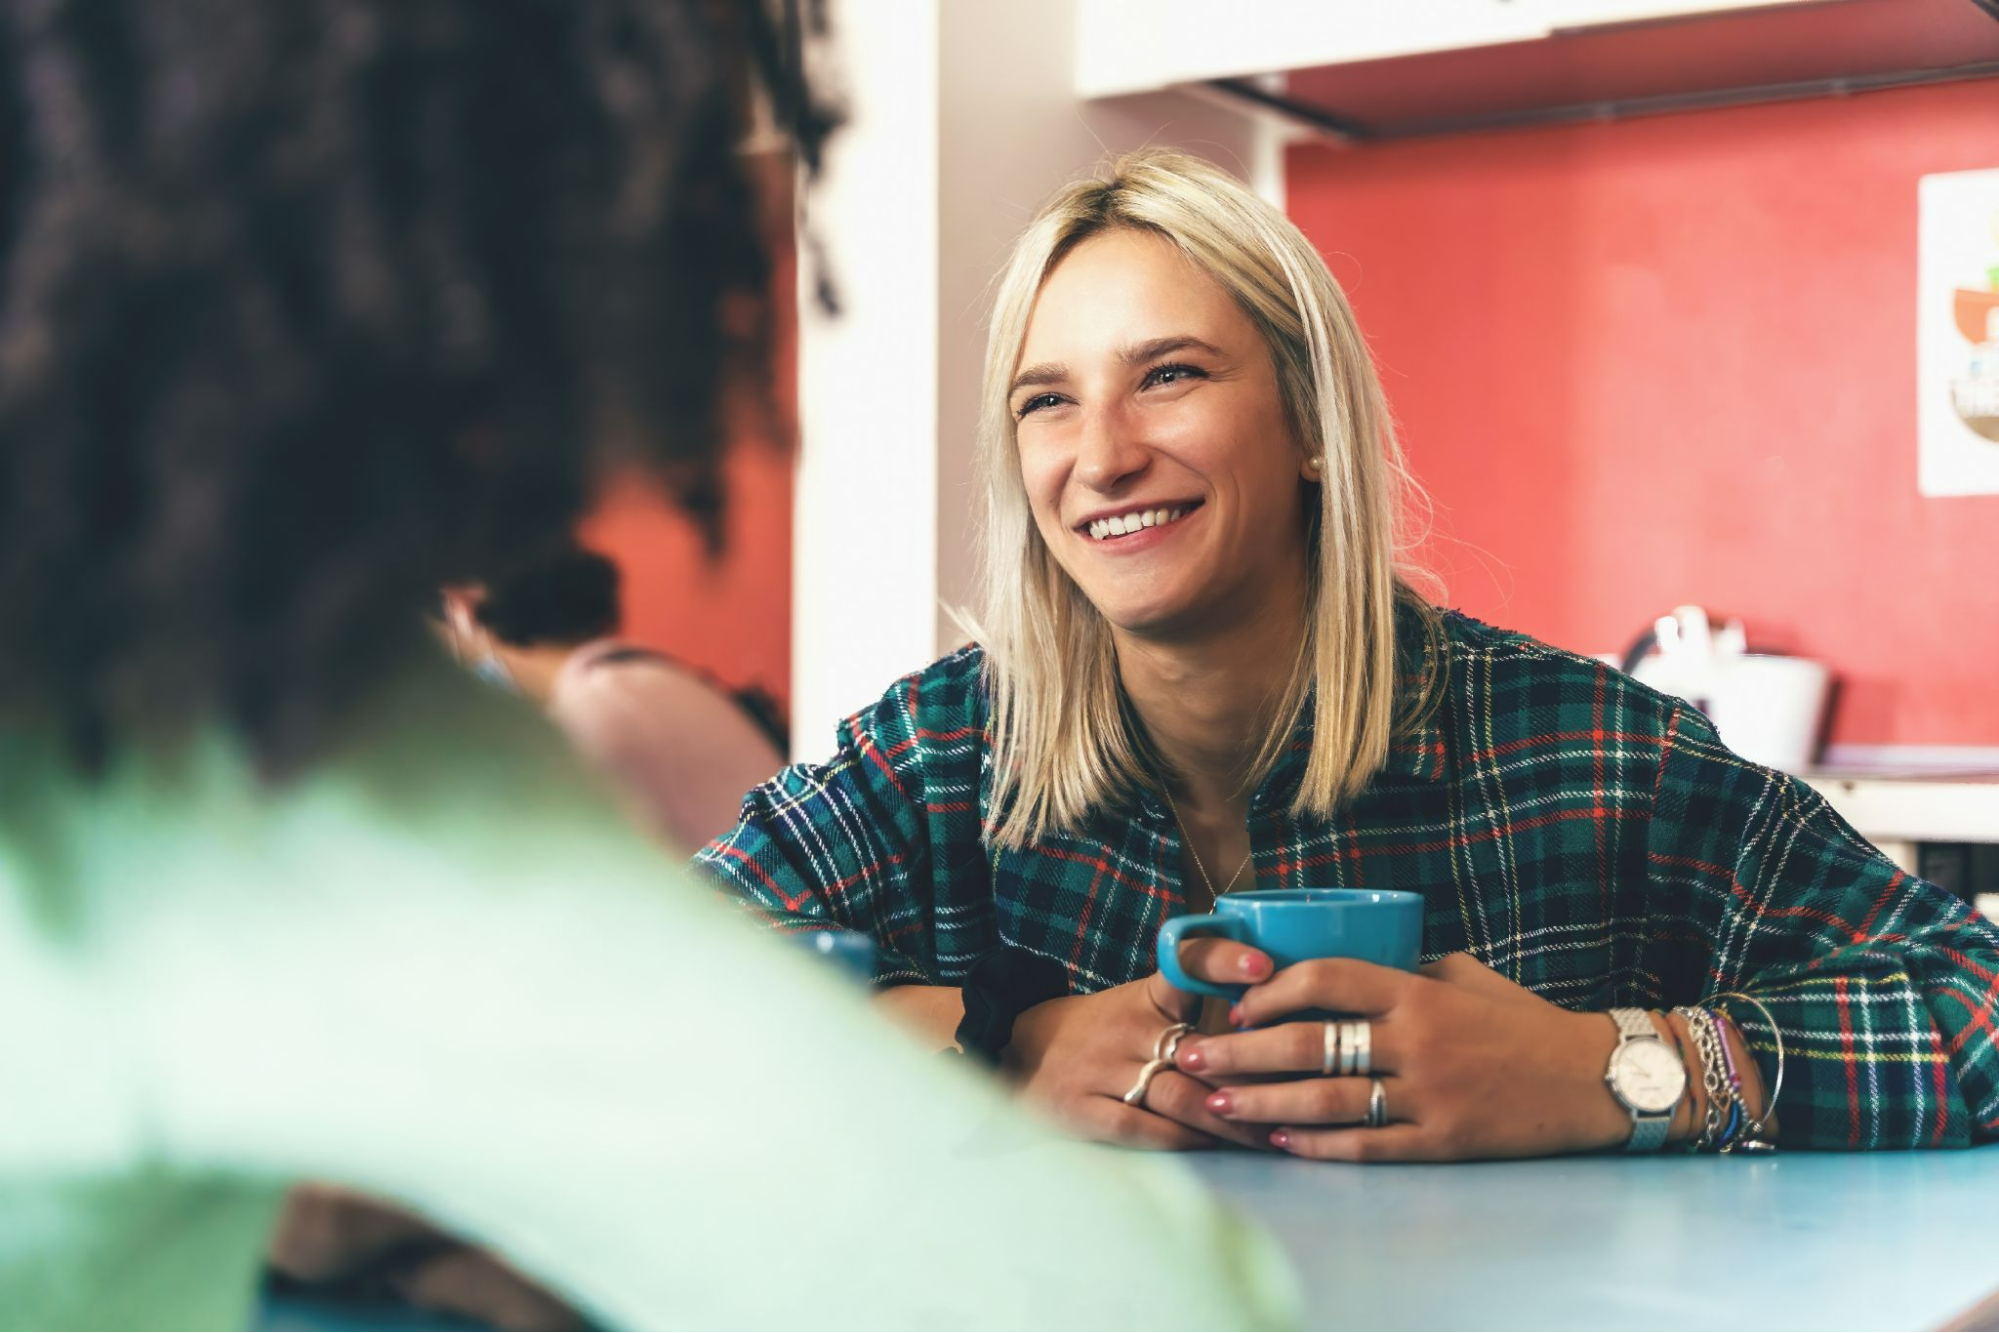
(1957, 333)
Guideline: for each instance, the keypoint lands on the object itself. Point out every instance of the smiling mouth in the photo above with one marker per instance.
(1138, 520)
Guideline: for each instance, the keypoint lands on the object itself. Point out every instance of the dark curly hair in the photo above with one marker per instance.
(565, 595)
(310, 306)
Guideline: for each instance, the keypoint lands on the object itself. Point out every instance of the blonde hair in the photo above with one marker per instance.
(1062, 746)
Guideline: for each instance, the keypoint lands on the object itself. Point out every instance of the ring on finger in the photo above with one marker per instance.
(1153, 1069)
(1377, 1105)
(1356, 1048)
(1169, 1041)
(1329, 1062)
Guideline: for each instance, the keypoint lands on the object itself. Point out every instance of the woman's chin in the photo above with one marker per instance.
(1159, 620)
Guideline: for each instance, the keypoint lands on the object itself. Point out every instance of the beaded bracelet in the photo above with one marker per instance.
(1736, 1115)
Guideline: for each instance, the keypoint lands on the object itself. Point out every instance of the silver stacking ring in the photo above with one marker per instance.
(1169, 1041)
(1356, 1043)
(1153, 1069)
(1377, 1106)
(1329, 1063)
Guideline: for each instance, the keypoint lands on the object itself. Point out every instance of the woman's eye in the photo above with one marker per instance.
(1160, 375)
(1036, 403)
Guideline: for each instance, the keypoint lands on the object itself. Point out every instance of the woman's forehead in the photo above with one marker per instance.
(1121, 289)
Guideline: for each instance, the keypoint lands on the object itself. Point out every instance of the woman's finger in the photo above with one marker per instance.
(1174, 1006)
(1286, 1048)
(1137, 1128)
(1390, 1143)
(1225, 962)
(1306, 1101)
(1185, 1100)
(1347, 985)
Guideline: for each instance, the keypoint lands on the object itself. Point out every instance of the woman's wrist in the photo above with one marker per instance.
(1607, 1126)
(1616, 1122)
(1691, 1114)
(1692, 1105)
(1000, 986)
(931, 1013)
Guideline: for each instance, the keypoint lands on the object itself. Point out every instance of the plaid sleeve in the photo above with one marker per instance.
(1883, 985)
(841, 844)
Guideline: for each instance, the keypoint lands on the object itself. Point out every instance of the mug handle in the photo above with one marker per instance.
(1180, 927)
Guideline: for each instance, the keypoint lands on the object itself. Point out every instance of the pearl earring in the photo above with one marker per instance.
(1314, 462)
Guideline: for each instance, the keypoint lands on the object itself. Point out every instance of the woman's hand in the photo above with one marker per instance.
(1077, 1056)
(1471, 1065)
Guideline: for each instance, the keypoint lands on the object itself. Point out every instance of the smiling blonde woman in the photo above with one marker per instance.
(1199, 669)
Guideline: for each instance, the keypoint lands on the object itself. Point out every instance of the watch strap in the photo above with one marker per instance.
(1633, 1024)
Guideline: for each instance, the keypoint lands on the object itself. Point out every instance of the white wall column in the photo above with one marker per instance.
(864, 519)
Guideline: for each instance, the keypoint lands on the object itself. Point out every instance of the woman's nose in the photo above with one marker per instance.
(1109, 452)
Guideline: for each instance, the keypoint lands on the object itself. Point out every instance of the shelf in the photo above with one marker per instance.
(1392, 72)
(1915, 808)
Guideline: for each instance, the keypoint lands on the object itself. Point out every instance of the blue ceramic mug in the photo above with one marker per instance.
(1382, 926)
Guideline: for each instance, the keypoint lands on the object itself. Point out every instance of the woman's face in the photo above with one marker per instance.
(1146, 396)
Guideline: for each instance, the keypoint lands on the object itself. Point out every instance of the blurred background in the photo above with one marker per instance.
(1645, 279)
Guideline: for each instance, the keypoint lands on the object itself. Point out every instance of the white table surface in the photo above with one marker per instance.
(1792, 1240)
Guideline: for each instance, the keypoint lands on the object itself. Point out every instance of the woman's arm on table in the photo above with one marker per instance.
(1759, 904)
(844, 845)
(1883, 985)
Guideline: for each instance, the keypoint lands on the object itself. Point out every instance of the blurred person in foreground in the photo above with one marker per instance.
(680, 749)
(304, 311)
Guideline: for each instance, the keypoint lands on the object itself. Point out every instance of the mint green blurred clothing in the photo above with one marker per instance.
(440, 967)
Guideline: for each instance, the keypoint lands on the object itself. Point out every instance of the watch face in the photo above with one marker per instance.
(1649, 1076)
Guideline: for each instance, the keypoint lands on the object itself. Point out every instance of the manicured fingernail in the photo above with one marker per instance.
(1255, 966)
(1235, 1015)
(1222, 1104)
(1191, 1057)
(1279, 1139)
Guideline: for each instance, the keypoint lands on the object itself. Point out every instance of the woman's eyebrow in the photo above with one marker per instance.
(1052, 372)
(1048, 372)
(1154, 348)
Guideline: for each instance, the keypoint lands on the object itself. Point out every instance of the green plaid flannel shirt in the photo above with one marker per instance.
(1588, 837)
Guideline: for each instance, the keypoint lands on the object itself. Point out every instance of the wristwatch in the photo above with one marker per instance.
(1646, 1076)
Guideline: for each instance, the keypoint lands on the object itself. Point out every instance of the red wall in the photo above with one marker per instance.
(1672, 360)
(730, 617)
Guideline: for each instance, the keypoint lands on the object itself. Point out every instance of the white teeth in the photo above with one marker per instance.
(1120, 524)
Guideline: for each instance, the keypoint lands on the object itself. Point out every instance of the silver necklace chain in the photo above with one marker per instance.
(1188, 839)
